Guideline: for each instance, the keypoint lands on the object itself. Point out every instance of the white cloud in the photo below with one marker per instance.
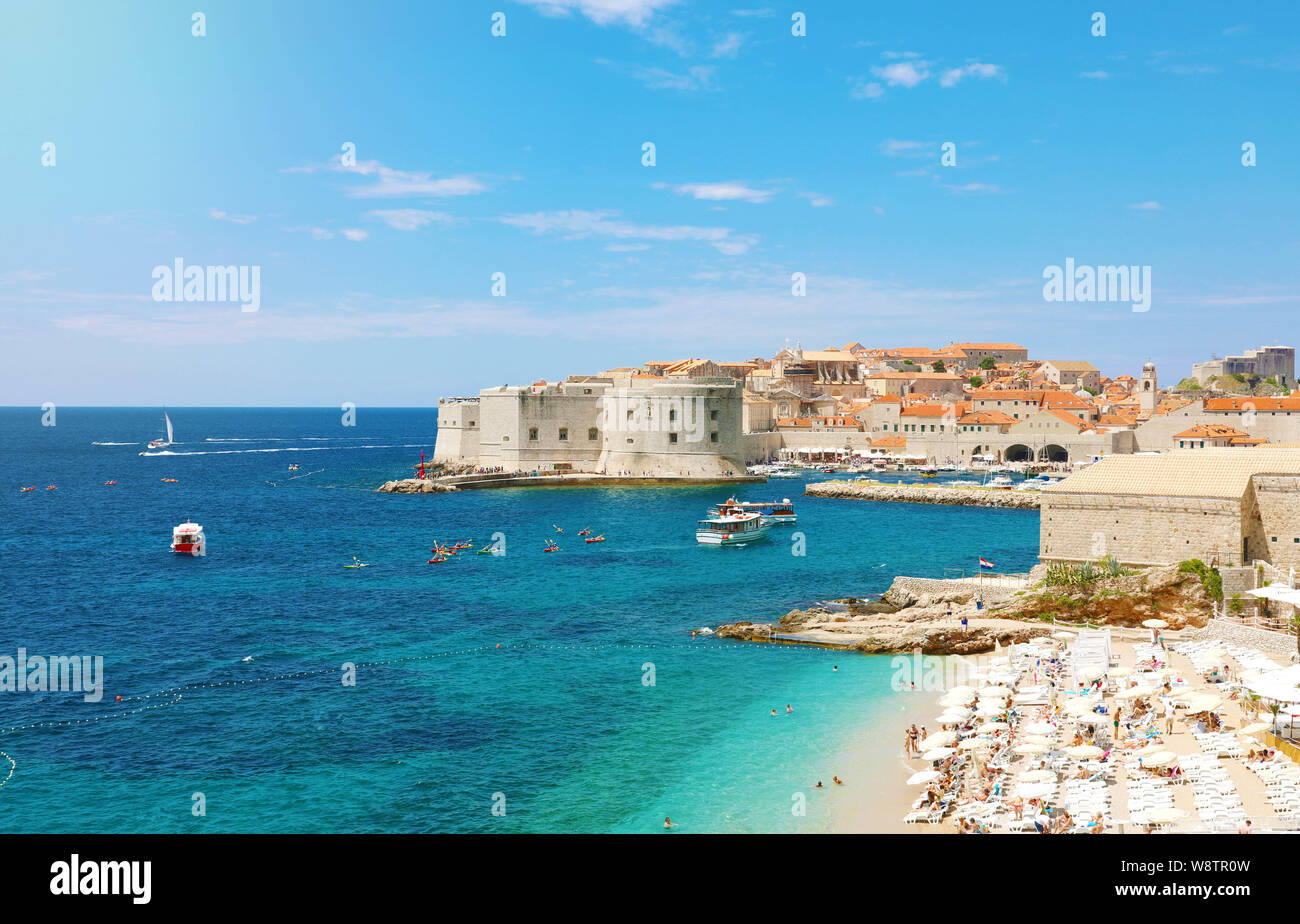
(391, 183)
(697, 77)
(956, 75)
(219, 215)
(903, 73)
(1148, 206)
(409, 219)
(355, 234)
(635, 13)
(988, 188)
(578, 224)
(731, 191)
(1095, 75)
(817, 200)
(867, 90)
(893, 147)
(728, 46)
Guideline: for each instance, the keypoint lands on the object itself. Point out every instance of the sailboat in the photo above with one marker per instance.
(161, 443)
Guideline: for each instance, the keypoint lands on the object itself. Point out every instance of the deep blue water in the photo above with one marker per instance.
(557, 719)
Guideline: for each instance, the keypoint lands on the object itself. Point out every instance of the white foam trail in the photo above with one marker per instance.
(281, 439)
(98, 443)
(226, 452)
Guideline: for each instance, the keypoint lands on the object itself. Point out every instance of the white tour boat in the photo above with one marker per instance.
(188, 539)
(781, 511)
(731, 529)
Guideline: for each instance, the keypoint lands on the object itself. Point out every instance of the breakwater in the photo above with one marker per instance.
(924, 494)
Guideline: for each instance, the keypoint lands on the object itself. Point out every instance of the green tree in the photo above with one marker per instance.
(938, 366)
(988, 362)
(976, 381)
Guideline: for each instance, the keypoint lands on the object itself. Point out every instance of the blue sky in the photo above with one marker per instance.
(522, 154)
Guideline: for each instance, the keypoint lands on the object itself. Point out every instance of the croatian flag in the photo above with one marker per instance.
(985, 563)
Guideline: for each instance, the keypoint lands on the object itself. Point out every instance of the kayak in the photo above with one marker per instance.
(358, 565)
(597, 539)
(487, 551)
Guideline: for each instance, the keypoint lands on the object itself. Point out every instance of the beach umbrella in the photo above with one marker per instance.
(1040, 739)
(1155, 623)
(1159, 759)
(1149, 750)
(1120, 672)
(1064, 635)
(1090, 672)
(1201, 702)
(956, 698)
(1131, 693)
(1084, 751)
(1165, 815)
(922, 777)
(938, 753)
(1255, 728)
(952, 718)
(1217, 653)
(1041, 728)
(1031, 747)
(1036, 776)
(1036, 790)
(975, 744)
(941, 739)
(994, 691)
(989, 728)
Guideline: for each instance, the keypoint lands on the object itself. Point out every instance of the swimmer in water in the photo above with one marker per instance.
(819, 785)
(835, 668)
(788, 709)
(668, 823)
(836, 780)
(774, 712)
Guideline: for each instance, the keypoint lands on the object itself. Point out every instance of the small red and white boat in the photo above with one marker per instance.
(188, 539)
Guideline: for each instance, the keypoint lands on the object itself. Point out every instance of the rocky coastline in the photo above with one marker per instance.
(906, 619)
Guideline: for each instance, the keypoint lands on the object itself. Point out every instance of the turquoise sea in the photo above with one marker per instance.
(558, 723)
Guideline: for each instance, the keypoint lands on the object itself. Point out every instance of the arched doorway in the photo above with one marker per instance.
(1018, 452)
(1053, 453)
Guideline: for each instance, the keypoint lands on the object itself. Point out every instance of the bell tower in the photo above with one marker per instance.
(1149, 394)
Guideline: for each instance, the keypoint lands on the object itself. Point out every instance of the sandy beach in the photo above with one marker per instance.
(1211, 789)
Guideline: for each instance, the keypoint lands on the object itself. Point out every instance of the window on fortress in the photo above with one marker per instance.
(713, 415)
(713, 437)
(532, 433)
(564, 433)
(592, 433)
(672, 413)
(672, 437)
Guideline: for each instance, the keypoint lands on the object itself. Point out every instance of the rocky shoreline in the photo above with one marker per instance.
(905, 620)
(924, 494)
(415, 486)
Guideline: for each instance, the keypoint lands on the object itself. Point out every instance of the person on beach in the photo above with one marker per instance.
(1244, 827)
(837, 781)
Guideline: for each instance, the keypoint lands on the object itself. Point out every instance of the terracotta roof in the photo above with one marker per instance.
(890, 442)
(929, 410)
(987, 417)
(1210, 431)
(1248, 403)
(1195, 473)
